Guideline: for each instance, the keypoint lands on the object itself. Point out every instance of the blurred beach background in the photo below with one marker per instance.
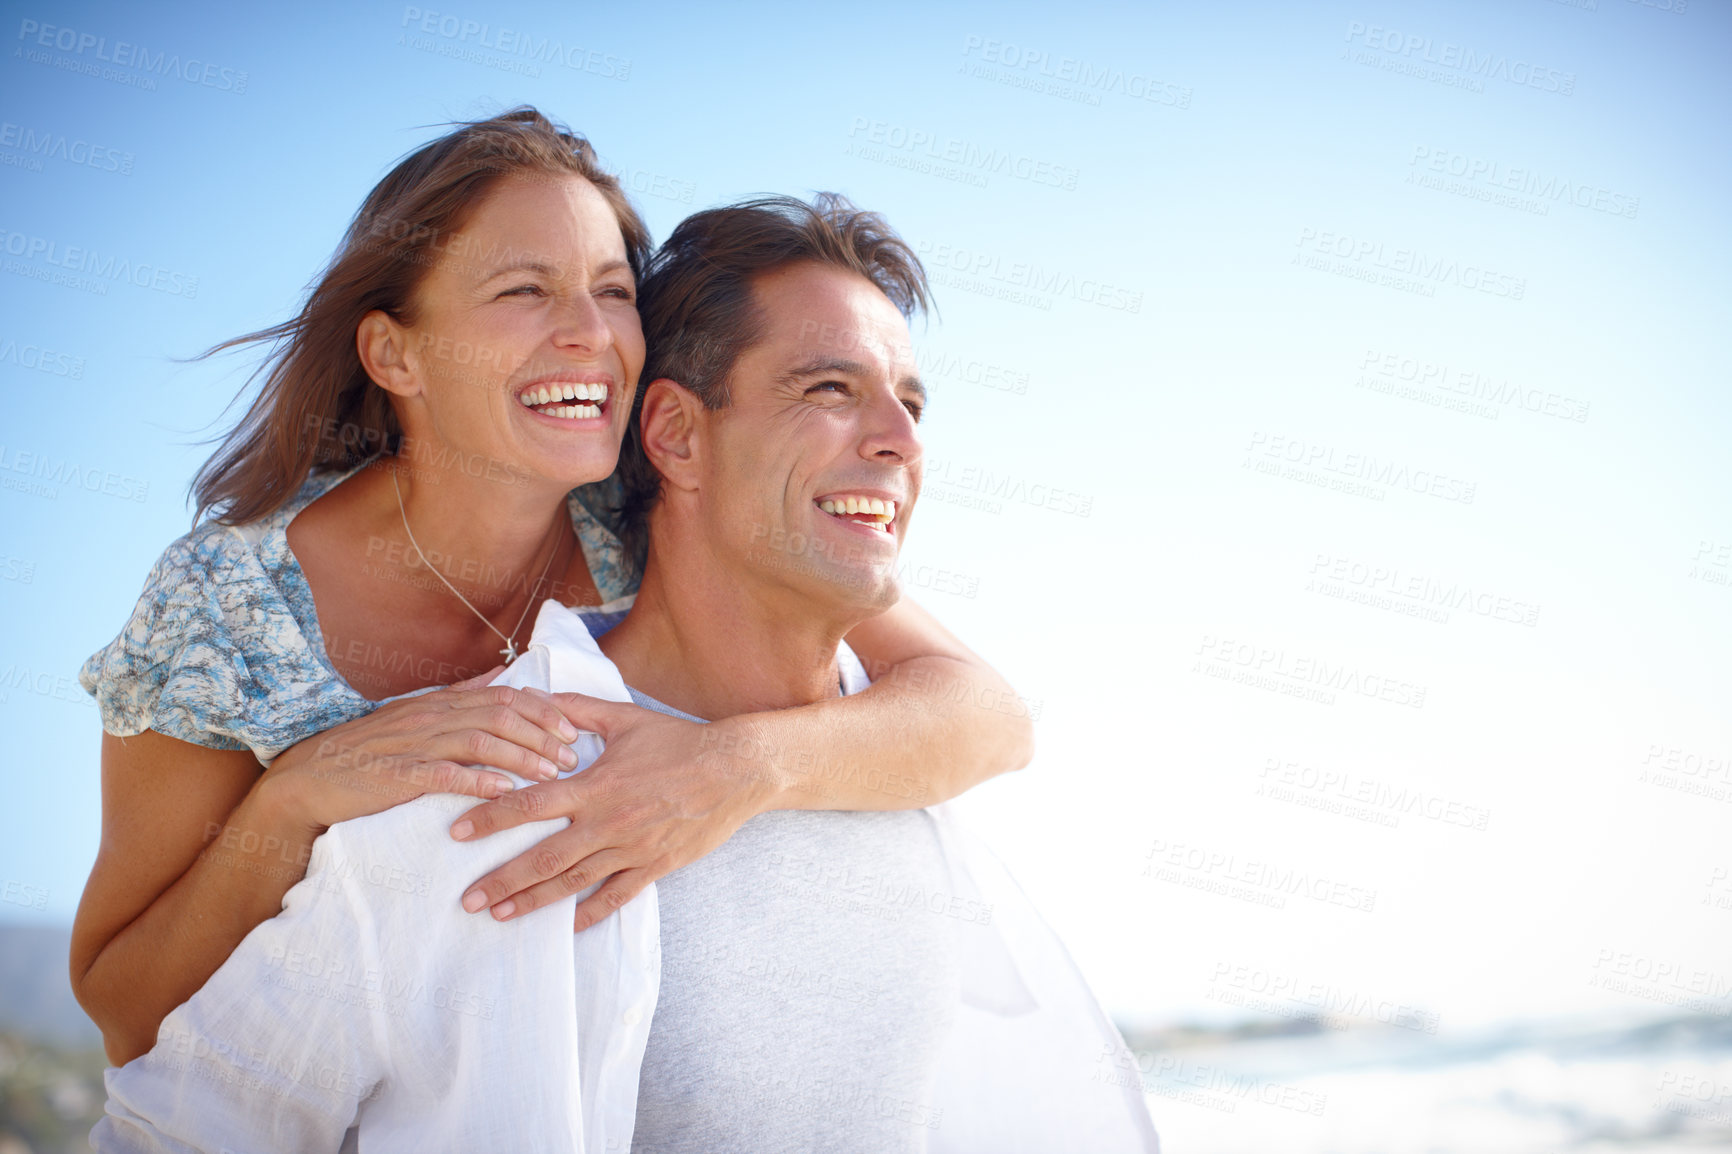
(1329, 437)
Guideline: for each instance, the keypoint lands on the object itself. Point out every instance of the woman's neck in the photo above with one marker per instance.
(491, 533)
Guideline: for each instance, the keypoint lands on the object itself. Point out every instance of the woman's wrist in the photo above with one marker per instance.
(738, 749)
(280, 803)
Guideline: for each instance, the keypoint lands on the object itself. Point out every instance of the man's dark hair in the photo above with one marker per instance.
(699, 314)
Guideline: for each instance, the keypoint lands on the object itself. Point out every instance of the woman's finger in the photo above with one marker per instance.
(532, 803)
(576, 879)
(501, 739)
(539, 707)
(618, 890)
(598, 715)
(550, 856)
(479, 783)
(521, 716)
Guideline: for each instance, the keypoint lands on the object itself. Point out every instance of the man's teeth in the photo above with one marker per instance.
(552, 395)
(884, 511)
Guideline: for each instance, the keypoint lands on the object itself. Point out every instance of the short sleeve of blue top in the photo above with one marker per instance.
(224, 649)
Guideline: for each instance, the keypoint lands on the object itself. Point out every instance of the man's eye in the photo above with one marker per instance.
(914, 410)
(836, 385)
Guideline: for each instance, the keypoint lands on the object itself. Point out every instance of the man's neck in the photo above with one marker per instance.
(708, 643)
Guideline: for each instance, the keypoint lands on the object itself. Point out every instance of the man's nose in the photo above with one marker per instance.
(891, 431)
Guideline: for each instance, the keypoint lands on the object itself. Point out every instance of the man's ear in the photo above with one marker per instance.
(670, 427)
(383, 345)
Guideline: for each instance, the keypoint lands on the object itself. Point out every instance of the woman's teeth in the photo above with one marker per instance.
(878, 513)
(547, 399)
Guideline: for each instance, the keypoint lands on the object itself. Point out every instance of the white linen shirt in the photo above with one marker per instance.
(375, 1014)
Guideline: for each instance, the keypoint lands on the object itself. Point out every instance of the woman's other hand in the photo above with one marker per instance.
(664, 793)
(435, 742)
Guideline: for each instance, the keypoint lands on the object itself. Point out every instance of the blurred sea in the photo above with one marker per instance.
(1292, 1086)
(1638, 1086)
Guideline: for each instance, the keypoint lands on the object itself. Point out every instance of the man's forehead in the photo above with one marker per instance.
(818, 311)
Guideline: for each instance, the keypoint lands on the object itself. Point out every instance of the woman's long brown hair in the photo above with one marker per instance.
(317, 408)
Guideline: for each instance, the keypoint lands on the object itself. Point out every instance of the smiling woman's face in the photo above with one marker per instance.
(525, 348)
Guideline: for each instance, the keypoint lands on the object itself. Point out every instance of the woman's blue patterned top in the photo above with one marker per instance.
(224, 649)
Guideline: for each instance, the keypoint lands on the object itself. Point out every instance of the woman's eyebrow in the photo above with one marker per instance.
(522, 266)
(545, 269)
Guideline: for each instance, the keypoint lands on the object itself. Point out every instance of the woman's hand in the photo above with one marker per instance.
(430, 743)
(664, 793)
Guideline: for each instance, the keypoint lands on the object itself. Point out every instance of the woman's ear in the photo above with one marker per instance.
(669, 427)
(383, 345)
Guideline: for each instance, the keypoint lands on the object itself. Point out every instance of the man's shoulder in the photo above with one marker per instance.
(406, 854)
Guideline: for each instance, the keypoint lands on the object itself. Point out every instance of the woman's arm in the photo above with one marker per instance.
(935, 722)
(173, 891)
(199, 845)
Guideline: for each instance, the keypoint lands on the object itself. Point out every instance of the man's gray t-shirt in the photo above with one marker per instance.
(806, 987)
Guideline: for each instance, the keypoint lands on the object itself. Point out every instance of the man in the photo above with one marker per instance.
(783, 993)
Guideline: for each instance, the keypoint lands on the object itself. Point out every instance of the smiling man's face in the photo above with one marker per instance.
(814, 467)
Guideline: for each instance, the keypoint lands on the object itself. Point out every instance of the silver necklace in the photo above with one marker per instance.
(510, 650)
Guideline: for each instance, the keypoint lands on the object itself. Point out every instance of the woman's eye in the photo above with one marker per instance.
(620, 292)
(522, 290)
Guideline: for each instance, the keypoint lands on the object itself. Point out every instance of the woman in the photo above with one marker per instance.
(401, 495)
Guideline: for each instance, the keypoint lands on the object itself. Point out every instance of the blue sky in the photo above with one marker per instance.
(1329, 424)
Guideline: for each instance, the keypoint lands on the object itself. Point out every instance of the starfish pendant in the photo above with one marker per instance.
(510, 651)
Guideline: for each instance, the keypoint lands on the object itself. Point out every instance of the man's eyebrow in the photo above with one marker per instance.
(823, 364)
